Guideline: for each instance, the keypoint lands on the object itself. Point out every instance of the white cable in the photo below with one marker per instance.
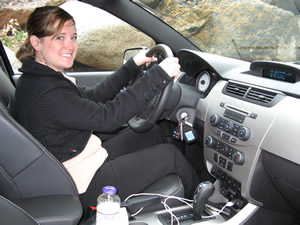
(228, 204)
(160, 195)
(167, 208)
(137, 212)
(183, 200)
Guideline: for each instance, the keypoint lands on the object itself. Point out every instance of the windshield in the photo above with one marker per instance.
(243, 29)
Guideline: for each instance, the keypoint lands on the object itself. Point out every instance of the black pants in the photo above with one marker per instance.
(131, 168)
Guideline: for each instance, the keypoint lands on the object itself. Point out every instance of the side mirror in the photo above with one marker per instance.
(131, 52)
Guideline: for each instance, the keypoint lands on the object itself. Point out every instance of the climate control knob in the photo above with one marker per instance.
(238, 158)
(214, 120)
(244, 133)
(228, 126)
(210, 141)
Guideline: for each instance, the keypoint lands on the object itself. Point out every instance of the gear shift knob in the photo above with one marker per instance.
(203, 191)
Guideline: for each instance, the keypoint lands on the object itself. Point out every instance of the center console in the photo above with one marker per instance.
(233, 132)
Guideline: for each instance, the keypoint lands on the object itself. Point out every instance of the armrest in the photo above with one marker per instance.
(53, 210)
(13, 214)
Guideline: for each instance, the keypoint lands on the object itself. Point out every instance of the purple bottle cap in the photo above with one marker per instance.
(110, 190)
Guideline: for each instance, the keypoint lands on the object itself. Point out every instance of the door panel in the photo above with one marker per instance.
(89, 79)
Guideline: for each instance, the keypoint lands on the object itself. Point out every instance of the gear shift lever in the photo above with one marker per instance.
(203, 191)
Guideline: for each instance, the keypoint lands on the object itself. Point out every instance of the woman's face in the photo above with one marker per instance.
(59, 51)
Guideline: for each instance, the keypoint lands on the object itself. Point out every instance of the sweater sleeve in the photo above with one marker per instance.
(108, 88)
(68, 110)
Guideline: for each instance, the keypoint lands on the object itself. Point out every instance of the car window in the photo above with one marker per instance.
(102, 37)
(242, 29)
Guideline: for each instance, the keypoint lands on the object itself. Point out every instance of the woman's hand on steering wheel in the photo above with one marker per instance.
(171, 66)
(141, 59)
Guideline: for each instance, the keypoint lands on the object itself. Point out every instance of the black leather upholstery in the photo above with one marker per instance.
(33, 170)
(169, 185)
(53, 209)
(7, 93)
(11, 214)
(28, 172)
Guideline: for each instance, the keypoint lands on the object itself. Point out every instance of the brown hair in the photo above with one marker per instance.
(41, 24)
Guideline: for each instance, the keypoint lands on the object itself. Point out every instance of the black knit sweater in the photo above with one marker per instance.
(62, 116)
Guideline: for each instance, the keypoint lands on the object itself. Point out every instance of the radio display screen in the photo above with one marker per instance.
(279, 75)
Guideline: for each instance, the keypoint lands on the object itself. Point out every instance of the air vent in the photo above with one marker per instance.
(236, 89)
(260, 95)
(251, 94)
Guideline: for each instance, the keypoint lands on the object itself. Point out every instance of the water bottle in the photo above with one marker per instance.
(108, 207)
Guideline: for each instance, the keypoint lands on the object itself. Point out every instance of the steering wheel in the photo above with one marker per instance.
(146, 120)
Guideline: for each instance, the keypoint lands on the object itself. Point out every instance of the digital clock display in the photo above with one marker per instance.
(280, 75)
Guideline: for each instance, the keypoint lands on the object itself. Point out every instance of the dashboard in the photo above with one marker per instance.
(251, 126)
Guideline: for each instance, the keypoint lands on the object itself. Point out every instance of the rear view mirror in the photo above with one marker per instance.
(131, 52)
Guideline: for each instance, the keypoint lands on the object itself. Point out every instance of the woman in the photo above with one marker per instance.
(64, 116)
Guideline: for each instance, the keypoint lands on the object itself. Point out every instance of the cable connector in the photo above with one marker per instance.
(228, 204)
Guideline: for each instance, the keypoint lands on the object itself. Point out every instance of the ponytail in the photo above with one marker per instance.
(25, 50)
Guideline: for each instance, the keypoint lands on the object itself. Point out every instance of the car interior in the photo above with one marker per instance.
(236, 122)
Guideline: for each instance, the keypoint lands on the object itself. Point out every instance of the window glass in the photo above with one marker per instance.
(244, 29)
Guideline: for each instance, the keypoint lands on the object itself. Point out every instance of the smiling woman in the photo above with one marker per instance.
(52, 41)
(62, 46)
(65, 117)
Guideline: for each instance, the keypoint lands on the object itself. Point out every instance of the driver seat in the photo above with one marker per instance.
(32, 178)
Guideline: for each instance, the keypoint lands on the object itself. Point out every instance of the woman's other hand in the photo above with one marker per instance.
(141, 59)
(171, 66)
